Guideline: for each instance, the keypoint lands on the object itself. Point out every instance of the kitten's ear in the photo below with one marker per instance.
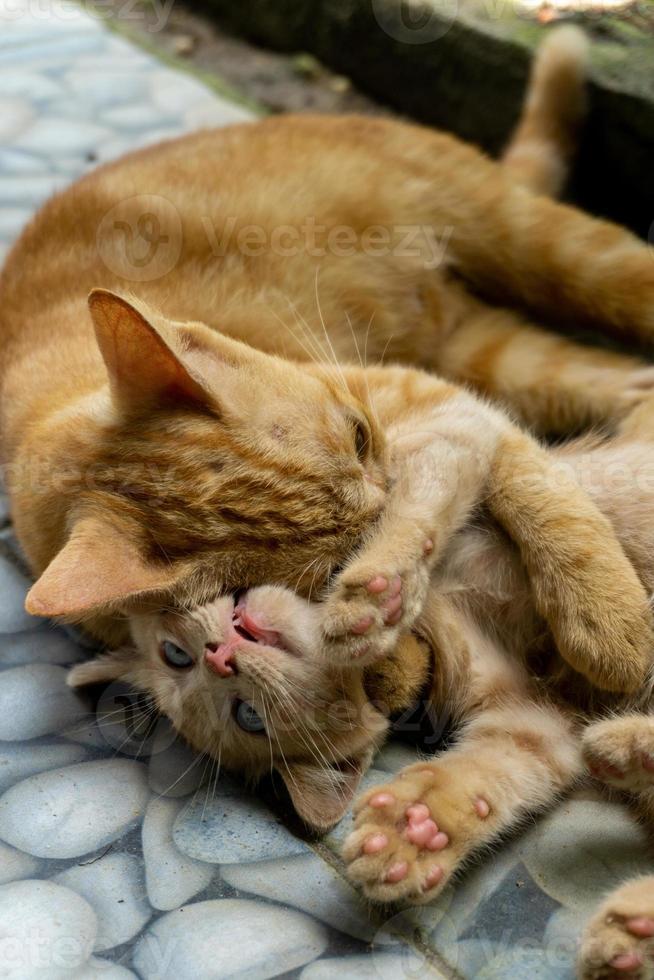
(321, 798)
(108, 667)
(144, 368)
(99, 565)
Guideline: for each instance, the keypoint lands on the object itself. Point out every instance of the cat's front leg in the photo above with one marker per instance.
(619, 941)
(441, 461)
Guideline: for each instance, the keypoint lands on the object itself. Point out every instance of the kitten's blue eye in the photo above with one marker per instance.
(174, 656)
(247, 718)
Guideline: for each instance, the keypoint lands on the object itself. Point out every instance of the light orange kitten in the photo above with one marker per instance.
(252, 682)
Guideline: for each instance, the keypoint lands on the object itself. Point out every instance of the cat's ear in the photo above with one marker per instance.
(144, 368)
(99, 565)
(102, 670)
(322, 797)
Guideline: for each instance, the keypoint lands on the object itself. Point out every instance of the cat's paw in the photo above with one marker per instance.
(620, 751)
(619, 940)
(413, 834)
(370, 606)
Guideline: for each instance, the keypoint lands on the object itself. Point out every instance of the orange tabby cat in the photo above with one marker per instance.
(175, 459)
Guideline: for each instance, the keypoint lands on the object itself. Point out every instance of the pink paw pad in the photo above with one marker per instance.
(433, 878)
(395, 586)
(627, 962)
(362, 626)
(380, 800)
(428, 547)
(482, 808)
(438, 842)
(640, 926)
(375, 844)
(396, 872)
(377, 584)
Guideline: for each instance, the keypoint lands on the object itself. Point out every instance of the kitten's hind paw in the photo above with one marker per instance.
(413, 834)
(620, 751)
(619, 941)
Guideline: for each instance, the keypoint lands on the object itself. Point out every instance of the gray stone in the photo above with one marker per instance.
(226, 829)
(114, 888)
(61, 137)
(12, 221)
(19, 761)
(582, 850)
(99, 969)
(310, 885)
(175, 769)
(48, 646)
(215, 112)
(518, 963)
(15, 117)
(373, 966)
(49, 53)
(103, 89)
(35, 700)
(29, 190)
(64, 923)
(29, 86)
(13, 589)
(228, 938)
(69, 812)
(171, 877)
(16, 864)
(137, 118)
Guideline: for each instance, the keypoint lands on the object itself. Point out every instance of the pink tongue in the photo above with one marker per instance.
(220, 660)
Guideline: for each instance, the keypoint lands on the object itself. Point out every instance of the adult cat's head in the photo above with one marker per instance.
(210, 466)
(245, 682)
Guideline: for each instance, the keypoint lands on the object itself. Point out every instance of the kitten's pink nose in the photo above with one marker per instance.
(221, 660)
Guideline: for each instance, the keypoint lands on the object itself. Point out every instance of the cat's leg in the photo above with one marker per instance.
(619, 940)
(620, 751)
(552, 383)
(453, 452)
(415, 832)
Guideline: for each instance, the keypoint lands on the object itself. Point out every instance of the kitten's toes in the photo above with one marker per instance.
(619, 941)
(363, 618)
(620, 751)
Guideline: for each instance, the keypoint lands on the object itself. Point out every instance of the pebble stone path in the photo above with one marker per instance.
(116, 859)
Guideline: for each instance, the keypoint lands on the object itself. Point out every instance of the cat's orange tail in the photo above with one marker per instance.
(545, 139)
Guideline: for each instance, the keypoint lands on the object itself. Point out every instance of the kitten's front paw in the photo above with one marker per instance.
(620, 752)
(370, 607)
(619, 941)
(413, 834)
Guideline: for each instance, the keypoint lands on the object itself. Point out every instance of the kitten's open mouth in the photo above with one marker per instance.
(249, 629)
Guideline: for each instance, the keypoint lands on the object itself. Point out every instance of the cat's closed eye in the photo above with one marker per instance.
(361, 438)
(174, 656)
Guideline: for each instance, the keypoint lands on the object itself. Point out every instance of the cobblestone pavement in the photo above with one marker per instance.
(116, 858)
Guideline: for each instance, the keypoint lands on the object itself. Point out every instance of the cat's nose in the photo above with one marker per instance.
(221, 660)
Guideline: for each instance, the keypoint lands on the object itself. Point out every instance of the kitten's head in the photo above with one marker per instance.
(213, 466)
(245, 681)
